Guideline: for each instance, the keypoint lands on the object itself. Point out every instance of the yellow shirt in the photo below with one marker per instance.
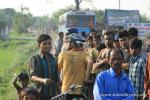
(93, 54)
(73, 65)
(88, 50)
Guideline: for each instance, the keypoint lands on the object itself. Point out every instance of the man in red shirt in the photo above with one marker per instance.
(147, 77)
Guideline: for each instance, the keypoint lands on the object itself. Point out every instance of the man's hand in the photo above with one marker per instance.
(101, 63)
(125, 66)
(48, 81)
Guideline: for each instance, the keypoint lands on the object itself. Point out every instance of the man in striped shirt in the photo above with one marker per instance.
(137, 66)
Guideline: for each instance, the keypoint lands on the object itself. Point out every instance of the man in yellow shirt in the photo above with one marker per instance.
(73, 64)
(98, 46)
(89, 45)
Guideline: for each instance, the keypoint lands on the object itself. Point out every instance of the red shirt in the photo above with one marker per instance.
(147, 76)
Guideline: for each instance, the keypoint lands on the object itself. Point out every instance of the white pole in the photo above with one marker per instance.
(119, 4)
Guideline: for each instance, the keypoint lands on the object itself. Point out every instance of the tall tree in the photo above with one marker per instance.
(22, 22)
(78, 2)
(144, 19)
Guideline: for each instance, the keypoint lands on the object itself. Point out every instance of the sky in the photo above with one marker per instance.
(47, 7)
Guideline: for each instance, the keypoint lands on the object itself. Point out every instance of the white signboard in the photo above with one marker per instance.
(143, 28)
(114, 17)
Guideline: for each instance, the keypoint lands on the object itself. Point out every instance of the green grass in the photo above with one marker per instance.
(14, 58)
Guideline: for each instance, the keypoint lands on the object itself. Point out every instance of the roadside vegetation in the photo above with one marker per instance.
(14, 58)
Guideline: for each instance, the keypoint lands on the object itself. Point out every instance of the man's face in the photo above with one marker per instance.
(116, 44)
(45, 46)
(134, 51)
(24, 82)
(90, 43)
(124, 42)
(96, 42)
(108, 40)
(116, 61)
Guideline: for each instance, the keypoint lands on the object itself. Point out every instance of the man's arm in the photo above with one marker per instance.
(15, 84)
(60, 65)
(34, 72)
(60, 61)
(146, 75)
(99, 90)
(89, 69)
(45, 81)
(141, 77)
(100, 64)
(130, 91)
(101, 61)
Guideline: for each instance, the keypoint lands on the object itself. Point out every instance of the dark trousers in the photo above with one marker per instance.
(44, 98)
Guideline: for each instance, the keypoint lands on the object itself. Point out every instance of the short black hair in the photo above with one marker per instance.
(123, 33)
(93, 33)
(97, 37)
(133, 31)
(60, 33)
(89, 38)
(135, 43)
(31, 90)
(43, 37)
(23, 76)
(109, 32)
(117, 51)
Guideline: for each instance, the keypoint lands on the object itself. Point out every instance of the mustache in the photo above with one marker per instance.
(117, 66)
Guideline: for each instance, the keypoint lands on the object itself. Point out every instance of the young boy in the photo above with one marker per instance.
(29, 94)
(23, 78)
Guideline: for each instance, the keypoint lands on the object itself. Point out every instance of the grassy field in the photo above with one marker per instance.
(14, 57)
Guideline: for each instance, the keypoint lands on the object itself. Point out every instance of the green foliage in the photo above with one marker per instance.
(99, 15)
(144, 19)
(15, 55)
(6, 16)
(99, 19)
(42, 24)
(55, 15)
(22, 22)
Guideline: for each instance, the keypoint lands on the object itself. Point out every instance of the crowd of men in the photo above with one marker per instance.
(117, 69)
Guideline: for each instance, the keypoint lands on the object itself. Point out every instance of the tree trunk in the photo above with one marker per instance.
(77, 4)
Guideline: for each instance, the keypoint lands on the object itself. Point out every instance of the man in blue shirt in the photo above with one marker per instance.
(113, 84)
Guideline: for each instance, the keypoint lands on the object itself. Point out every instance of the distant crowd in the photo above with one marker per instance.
(107, 66)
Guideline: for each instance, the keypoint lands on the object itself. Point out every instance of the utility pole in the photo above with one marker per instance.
(119, 4)
(22, 11)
